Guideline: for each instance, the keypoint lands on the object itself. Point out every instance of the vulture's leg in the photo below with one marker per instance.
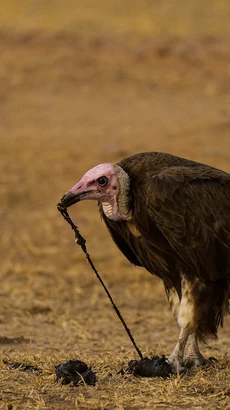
(176, 358)
(174, 300)
(193, 356)
(183, 308)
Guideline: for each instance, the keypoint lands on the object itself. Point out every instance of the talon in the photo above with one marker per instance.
(195, 362)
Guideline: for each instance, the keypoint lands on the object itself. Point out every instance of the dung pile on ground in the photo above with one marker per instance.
(28, 368)
(75, 371)
(149, 367)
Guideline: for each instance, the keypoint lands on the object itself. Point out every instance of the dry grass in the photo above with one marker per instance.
(69, 102)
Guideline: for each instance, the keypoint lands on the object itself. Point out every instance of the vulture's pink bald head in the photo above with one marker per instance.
(107, 183)
(98, 183)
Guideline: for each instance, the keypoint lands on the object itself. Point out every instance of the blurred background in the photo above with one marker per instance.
(84, 82)
(147, 17)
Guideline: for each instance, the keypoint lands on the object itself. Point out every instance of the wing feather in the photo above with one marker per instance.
(191, 208)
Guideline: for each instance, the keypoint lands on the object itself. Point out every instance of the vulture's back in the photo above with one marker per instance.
(154, 163)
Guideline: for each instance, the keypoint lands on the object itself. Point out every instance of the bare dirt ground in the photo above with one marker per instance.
(69, 102)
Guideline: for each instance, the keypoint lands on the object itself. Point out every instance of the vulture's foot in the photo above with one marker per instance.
(195, 360)
(198, 361)
(193, 357)
(177, 366)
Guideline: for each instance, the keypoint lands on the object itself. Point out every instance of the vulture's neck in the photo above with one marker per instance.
(118, 208)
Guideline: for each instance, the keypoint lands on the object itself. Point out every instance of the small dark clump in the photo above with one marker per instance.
(149, 367)
(28, 368)
(75, 371)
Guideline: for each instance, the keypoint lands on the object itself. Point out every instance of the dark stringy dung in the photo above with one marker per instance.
(82, 243)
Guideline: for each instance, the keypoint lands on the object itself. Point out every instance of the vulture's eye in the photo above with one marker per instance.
(102, 181)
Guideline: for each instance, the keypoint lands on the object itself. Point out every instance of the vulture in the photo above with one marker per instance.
(171, 216)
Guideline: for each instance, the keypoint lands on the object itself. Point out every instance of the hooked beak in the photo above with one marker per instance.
(76, 194)
(70, 198)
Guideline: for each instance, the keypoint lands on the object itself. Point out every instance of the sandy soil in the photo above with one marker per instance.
(69, 102)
